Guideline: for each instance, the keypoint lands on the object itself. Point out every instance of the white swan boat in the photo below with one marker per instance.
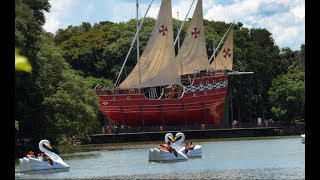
(177, 144)
(29, 164)
(303, 138)
(158, 154)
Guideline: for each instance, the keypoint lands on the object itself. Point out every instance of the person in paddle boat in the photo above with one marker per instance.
(45, 158)
(188, 146)
(49, 160)
(41, 156)
(167, 147)
(31, 154)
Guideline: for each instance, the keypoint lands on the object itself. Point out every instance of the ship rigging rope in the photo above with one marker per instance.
(213, 55)
(132, 43)
(175, 41)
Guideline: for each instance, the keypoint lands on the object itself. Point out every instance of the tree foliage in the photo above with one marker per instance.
(287, 96)
(53, 101)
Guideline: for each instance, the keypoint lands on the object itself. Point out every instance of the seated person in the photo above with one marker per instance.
(50, 161)
(170, 93)
(189, 146)
(31, 154)
(47, 159)
(41, 156)
(167, 147)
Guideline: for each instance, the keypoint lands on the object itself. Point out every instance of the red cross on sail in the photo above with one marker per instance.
(195, 33)
(227, 52)
(162, 30)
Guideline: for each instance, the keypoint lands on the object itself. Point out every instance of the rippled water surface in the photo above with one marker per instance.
(265, 158)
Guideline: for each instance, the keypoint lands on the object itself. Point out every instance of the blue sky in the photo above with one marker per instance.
(285, 19)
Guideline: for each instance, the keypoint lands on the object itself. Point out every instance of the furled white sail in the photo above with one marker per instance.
(193, 53)
(157, 62)
(224, 59)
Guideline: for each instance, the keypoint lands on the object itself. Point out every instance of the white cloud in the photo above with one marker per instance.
(123, 11)
(178, 6)
(284, 19)
(55, 16)
(153, 11)
(52, 22)
(298, 9)
(183, 7)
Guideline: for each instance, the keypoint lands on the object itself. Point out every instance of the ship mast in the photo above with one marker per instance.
(175, 41)
(132, 43)
(178, 31)
(179, 41)
(138, 60)
(214, 52)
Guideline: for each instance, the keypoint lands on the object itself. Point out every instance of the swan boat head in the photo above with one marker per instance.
(178, 139)
(168, 137)
(35, 164)
(175, 140)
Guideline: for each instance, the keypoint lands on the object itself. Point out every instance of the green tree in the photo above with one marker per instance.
(28, 26)
(254, 50)
(71, 110)
(29, 20)
(51, 102)
(65, 34)
(93, 81)
(21, 64)
(287, 95)
(69, 107)
(85, 51)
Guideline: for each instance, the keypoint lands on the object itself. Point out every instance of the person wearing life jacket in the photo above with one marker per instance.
(167, 147)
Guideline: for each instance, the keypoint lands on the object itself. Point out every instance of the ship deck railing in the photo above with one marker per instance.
(185, 79)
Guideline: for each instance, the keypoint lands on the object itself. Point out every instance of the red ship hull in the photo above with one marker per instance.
(201, 103)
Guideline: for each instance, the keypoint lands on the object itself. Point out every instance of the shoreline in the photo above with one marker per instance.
(190, 134)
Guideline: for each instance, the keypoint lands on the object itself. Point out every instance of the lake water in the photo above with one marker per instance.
(265, 158)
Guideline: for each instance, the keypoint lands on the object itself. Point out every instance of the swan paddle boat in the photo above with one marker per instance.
(30, 164)
(159, 154)
(177, 144)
